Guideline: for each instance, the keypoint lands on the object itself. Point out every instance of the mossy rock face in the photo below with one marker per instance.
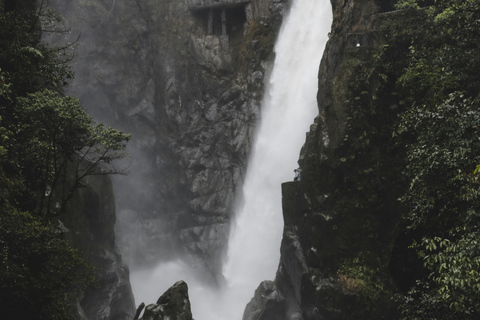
(342, 219)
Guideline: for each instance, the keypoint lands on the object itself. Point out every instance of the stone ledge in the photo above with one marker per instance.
(212, 4)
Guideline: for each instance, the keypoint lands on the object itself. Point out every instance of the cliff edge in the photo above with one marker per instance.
(341, 219)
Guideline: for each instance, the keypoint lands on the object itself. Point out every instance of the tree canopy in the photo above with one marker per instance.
(440, 131)
(48, 145)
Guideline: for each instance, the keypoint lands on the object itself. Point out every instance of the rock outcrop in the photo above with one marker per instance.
(267, 303)
(174, 304)
(186, 79)
(89, 225)
(341, 219)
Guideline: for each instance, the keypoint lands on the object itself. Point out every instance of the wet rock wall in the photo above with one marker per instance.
(341, 219)
(187, 82)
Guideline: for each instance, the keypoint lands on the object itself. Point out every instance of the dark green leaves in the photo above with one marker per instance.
(48, 145)
(38, 270)
(54, 137)
(441, 134)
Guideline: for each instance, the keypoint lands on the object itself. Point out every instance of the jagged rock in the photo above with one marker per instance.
(174, 304)
(267, 303)
(191, 100)
(90, 222)
(212, 54)
(190, 96)
(338, 236)
(112, 297)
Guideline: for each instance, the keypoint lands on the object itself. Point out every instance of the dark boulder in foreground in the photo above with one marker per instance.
(174, 304)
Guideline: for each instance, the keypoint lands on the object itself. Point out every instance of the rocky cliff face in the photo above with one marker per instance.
(186, 79)
(173, 304)
(341, 220)
(89, 224)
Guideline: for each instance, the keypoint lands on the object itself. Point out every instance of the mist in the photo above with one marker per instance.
(288, 109)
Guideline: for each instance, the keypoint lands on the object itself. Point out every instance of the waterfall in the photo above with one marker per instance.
(288, 109)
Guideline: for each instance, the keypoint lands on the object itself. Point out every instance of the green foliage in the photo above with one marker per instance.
(440, 132)
(446, 46)
(361, 275)
(364, 163)
(455, 267)
(45, 137)
(39, 271)
(427, 83)
(28, 63)
(48, 145)
(10, 184)
(441, 160)
(407, 4)
(4, 86)
(55, 136)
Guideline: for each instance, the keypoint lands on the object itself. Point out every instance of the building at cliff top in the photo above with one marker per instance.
(210, 4)
(221, 16)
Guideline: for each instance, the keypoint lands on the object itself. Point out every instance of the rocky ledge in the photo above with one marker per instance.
(174, 304)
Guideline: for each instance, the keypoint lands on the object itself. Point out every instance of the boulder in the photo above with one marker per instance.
(267, 303)
(174, 304)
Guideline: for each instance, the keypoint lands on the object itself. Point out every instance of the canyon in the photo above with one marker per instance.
(187, 79)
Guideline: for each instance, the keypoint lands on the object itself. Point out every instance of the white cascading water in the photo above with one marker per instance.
(288, 109)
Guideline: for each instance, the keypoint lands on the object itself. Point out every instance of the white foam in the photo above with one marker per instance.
(288, 109)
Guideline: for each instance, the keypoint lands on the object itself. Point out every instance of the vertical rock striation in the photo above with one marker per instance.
(341, 219)
(173, 304)
(186, 79)
(89, 224)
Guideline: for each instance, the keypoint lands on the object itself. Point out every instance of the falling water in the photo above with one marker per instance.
(288, 109)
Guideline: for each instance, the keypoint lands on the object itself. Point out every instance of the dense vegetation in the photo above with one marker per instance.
(48, 145)
(439, 85)
(430, 64)
(406, 164)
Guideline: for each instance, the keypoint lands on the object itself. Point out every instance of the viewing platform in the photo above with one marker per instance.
(222, 17)
(215, 4)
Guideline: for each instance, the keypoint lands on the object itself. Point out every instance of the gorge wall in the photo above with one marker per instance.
(89, 225)
(186, 79)
(342, 219)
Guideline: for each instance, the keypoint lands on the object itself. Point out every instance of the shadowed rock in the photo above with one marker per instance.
(189, 90)
(267, 303)
(174, 304)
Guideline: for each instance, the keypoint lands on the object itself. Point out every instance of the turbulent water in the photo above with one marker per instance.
(288, 109)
